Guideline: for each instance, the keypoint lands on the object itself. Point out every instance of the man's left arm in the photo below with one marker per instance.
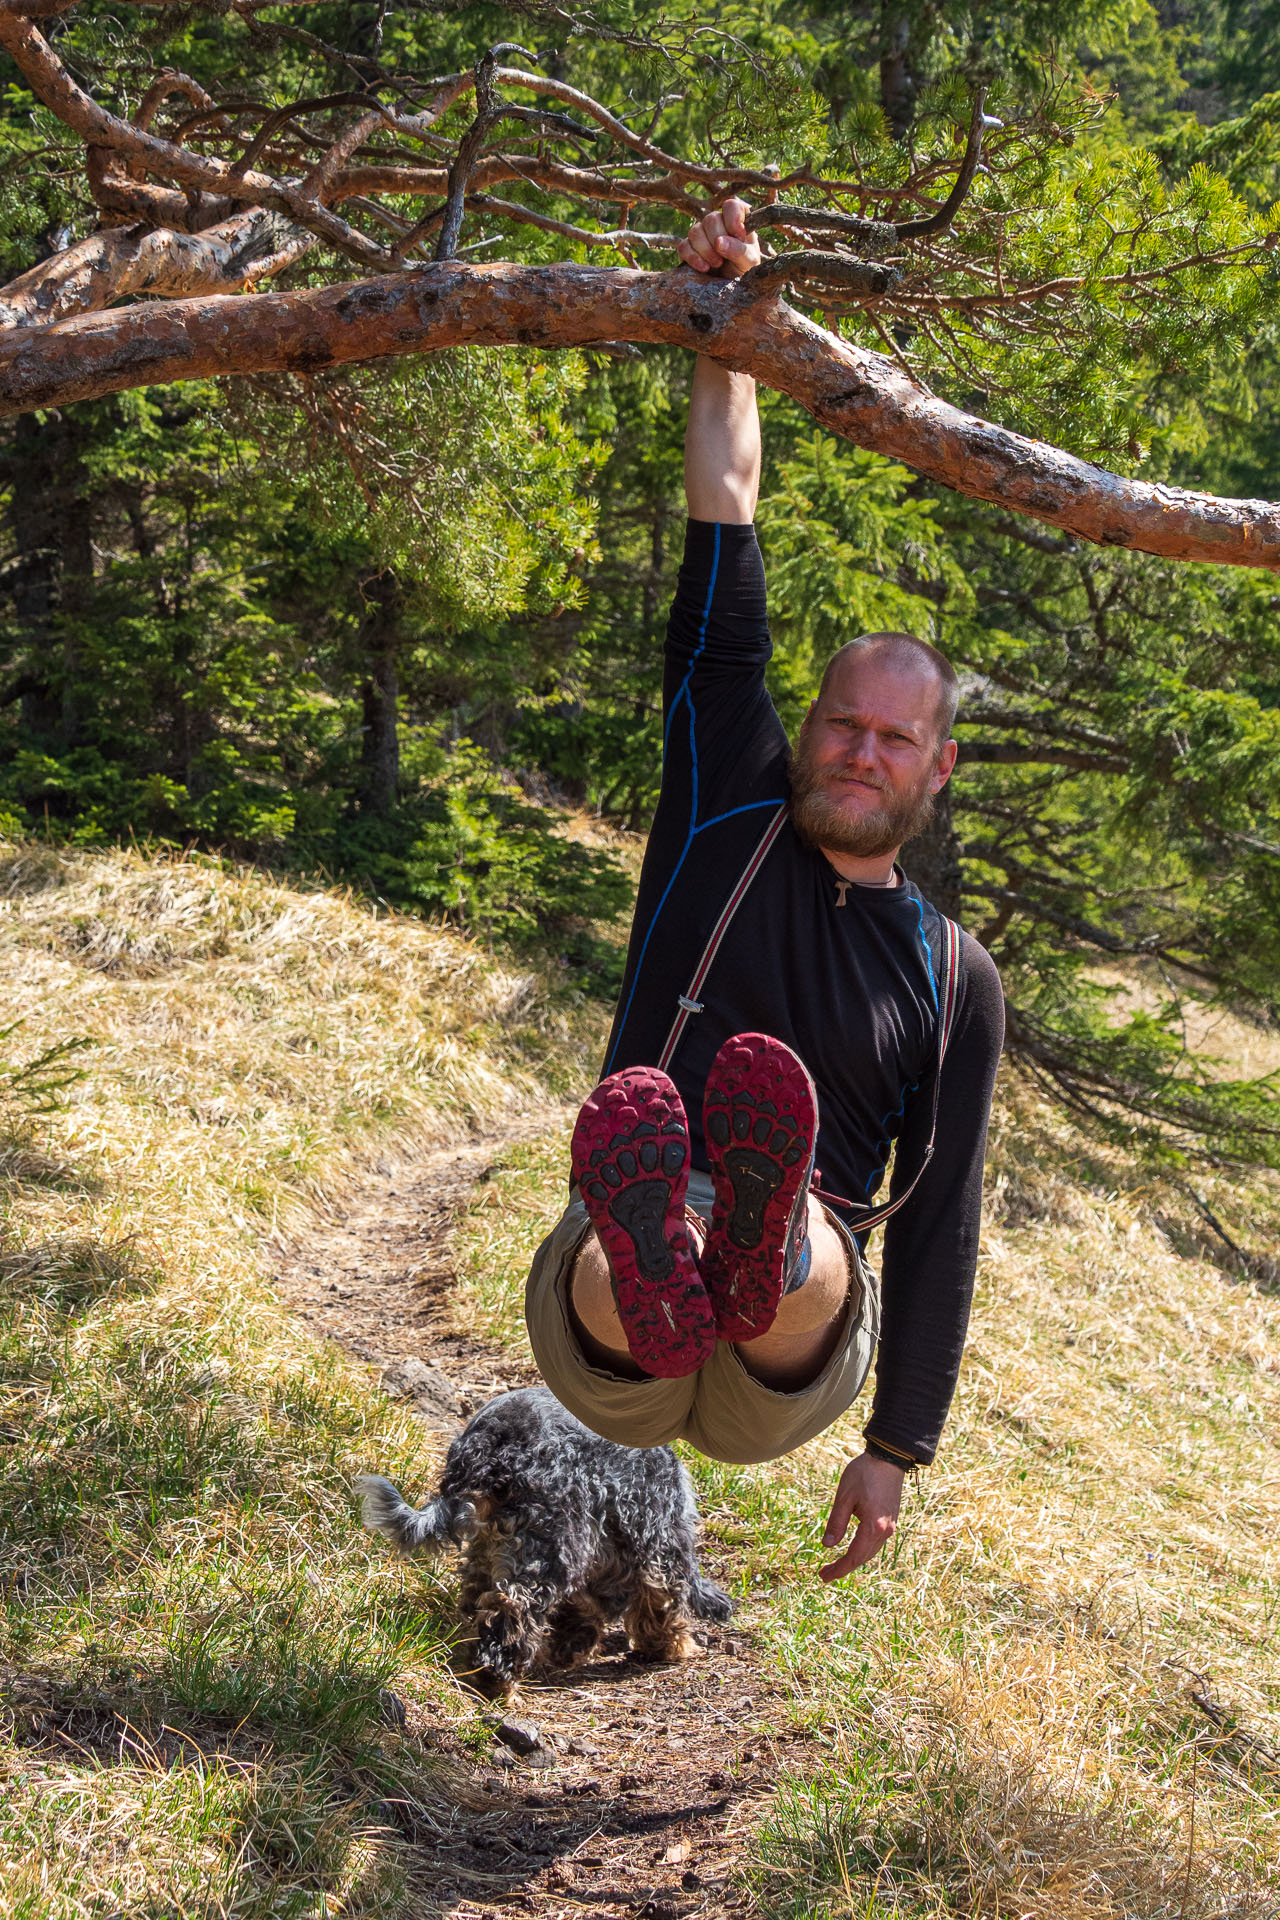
(927, 1271)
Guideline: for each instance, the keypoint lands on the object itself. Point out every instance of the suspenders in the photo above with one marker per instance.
(948, 986)
(688, 1002)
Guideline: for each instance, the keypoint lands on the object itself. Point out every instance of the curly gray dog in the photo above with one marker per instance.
(565, 1533)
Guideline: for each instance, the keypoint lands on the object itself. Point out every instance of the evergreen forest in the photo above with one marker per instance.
(399, 623)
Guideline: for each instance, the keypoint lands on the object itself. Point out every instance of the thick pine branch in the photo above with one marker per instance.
(860, 395)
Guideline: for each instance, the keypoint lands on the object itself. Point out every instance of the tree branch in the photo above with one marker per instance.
(54, 86)
(940, 220)
(1046, 723)
(130, 260)
(1003, 753)
(860, 395)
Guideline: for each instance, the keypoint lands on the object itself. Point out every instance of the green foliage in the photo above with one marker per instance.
(464, 844)
(464, 472)
(30, 1089)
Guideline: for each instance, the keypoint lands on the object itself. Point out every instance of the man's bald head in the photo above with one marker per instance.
(904, 651)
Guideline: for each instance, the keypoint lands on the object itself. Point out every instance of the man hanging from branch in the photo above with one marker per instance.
(707, 1280)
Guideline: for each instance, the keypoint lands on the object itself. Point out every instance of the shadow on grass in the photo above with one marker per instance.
(1191, 1240)
(27, 1165)
(384, 1822)
(64, 1276)
(262, 1824)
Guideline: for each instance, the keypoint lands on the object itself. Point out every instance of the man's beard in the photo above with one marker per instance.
(822, 823)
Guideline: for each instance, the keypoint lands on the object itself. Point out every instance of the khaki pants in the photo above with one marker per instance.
(722, 1410)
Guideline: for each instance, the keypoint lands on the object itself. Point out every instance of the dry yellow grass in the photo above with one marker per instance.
(254, 1032)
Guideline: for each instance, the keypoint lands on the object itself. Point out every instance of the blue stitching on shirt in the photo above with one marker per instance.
(886, 1139)
(928, 953)
(750, 807)
(683, 694)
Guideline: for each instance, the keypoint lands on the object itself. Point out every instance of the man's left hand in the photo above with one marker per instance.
(871, 1489)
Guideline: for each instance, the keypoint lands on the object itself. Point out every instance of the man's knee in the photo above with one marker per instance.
(591, 1290)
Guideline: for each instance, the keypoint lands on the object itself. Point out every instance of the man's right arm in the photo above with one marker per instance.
(722, 439)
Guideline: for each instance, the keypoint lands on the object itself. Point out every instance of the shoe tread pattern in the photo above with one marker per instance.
(760, 1117)
(630, 1158)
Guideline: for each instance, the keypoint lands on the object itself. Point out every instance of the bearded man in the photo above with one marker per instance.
(708, 1278)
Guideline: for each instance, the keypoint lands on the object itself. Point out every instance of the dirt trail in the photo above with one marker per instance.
(649, 1779)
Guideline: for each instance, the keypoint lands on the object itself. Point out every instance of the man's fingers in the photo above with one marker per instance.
(696, 252)
(721, 239)
(709, 232)
(837, 1569)
(866, 1544)
(734, 214)
(703, 246)
(841, 1509)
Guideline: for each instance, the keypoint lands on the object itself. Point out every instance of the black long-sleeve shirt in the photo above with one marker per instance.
(851, 988)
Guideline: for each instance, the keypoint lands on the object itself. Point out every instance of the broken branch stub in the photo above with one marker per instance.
(873, 236)
(839, 272)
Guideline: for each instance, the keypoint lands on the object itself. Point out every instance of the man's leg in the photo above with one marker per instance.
(593, 1314)
(618, 1402)
(805, 1333)
(630, 1161)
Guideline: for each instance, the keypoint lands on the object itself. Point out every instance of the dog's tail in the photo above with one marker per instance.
(707, 1601)
(443, 1522)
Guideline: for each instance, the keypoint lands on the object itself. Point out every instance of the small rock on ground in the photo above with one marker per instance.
(430, 1390)
(520, 1735)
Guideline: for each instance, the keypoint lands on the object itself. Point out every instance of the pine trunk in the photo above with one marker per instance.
(379, 696)
(932, 859)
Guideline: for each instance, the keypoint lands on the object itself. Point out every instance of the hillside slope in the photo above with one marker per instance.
(1058, 1696)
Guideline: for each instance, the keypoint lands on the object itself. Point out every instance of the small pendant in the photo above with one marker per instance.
(842, 891)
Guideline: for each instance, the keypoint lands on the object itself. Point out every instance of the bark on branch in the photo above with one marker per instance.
(131, 260)
(1001, 753)
(860, 395)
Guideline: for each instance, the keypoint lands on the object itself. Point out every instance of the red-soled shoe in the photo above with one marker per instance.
(630, 1158)
(760, 1118)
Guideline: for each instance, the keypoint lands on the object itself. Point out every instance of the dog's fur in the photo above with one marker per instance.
(564, 1533)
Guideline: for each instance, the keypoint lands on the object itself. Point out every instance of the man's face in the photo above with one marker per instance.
(867, 763)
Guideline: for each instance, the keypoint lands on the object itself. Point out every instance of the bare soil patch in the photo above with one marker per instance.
(647, 1780)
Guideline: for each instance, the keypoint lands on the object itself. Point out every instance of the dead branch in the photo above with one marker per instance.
(939, 222)
(137, 260)
(54, 86)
